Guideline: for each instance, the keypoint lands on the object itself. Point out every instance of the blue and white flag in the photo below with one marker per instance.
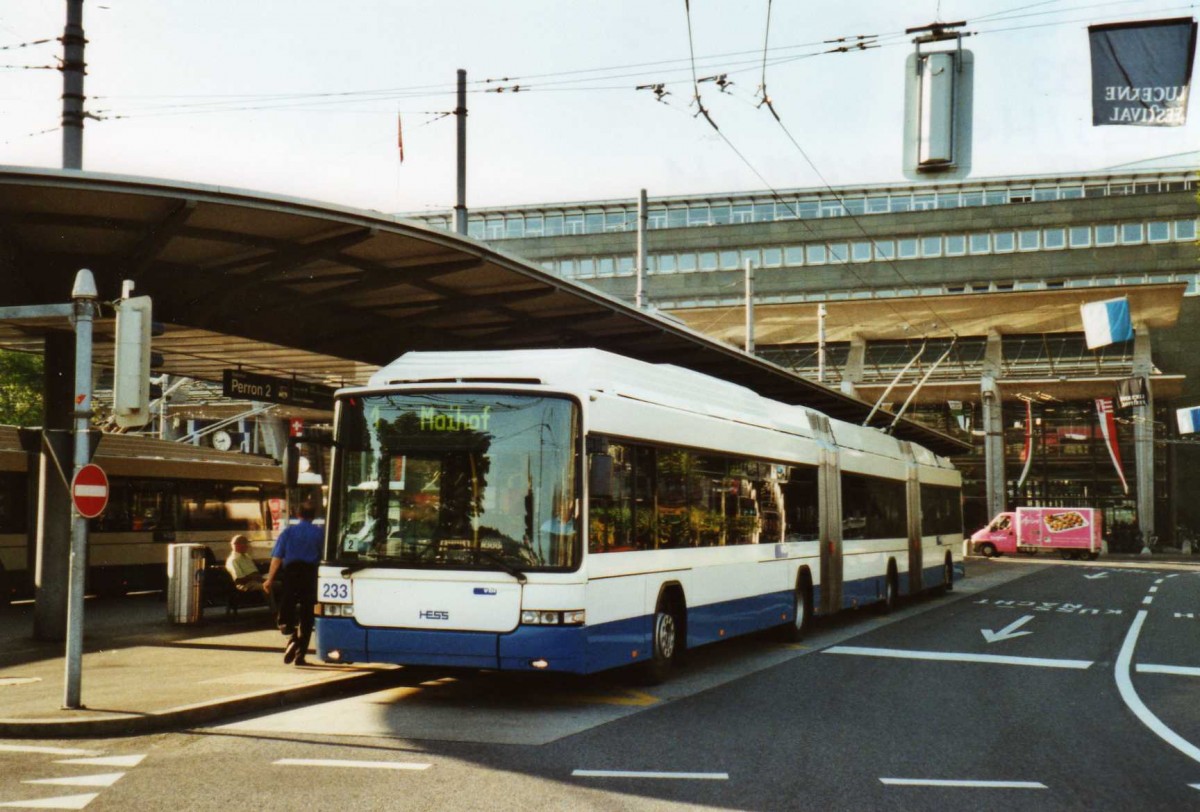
(1106, 322)
(1189, 419)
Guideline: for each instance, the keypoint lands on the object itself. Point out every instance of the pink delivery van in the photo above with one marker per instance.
(1074, 532)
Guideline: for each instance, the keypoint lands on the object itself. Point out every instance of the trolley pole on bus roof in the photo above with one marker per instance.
(83, 296)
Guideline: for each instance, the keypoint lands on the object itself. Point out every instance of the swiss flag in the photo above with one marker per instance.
(295, 427)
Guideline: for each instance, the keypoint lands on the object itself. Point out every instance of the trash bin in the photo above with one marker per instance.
(185, 583)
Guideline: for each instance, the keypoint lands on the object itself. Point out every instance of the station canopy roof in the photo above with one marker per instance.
(324, 294)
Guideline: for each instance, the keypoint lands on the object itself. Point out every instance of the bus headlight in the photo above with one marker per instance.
(335, 610)
(536, 617)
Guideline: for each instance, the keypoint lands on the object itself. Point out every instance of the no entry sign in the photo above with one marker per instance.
(89, 491)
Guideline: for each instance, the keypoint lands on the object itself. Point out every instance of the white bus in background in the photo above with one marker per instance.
(575, 510)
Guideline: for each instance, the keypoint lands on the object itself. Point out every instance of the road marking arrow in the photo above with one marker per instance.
(1097, 575)
(1008, 632)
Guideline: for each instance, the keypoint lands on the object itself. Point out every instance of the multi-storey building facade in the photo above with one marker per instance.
(987, 275)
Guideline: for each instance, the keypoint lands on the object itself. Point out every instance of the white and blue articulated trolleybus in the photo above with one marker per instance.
(575, 510)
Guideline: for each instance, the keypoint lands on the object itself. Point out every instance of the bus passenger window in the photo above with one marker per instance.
(623, 519)
(801, 505)
(610, 515)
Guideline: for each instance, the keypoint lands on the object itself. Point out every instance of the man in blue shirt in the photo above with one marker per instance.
(297, 552)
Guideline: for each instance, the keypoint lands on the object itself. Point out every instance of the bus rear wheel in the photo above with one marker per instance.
(802, 610)
(890, 593)
(947, 584)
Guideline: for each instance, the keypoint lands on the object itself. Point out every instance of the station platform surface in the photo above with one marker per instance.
(140, 672)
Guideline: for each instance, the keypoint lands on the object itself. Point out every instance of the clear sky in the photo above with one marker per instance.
(300, 97)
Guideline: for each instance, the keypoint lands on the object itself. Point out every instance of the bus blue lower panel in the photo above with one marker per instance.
(342, 635)
(719, 621)
(574, 649)
(862, 591)
(932, 577)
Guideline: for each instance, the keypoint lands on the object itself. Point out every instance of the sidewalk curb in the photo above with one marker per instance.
(191, 715)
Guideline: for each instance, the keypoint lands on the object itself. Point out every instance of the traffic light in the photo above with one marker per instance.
(132, 361)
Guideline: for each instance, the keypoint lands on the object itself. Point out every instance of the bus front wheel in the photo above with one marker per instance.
(665, 644)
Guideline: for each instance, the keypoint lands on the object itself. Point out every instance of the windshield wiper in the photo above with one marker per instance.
(499, 561)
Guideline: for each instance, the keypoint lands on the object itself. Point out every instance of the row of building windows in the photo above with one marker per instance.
(928, 246)
(1190, 279)
(622, 217)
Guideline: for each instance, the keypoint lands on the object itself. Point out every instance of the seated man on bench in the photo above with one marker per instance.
(247, 580)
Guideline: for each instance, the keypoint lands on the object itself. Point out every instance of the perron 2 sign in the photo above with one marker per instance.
(1141, 72)
(250, 386)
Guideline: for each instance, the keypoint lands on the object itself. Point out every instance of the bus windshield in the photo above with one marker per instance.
(458, 481)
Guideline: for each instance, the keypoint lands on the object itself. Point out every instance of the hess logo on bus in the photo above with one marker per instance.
(433, 614)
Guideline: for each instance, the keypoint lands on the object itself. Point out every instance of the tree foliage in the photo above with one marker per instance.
(20, 389)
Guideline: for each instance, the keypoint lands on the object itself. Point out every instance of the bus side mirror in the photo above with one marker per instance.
(600, 476)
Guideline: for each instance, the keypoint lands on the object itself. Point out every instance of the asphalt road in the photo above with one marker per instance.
(1067, 686)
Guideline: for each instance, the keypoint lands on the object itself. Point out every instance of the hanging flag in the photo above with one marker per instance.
(400, 137)
(1189, 419)
(1108, 428)
(1132, 392)
(1027, 451)
(1106, 322)
(1141, 72)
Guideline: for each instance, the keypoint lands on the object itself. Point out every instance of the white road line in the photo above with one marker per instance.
(636, 774)
(53, 751)
(960, 657)
(1177, 670)
(365, 765)
(1153, 589)
(106, 761)
(1160, 580)
(936, 782)
(101, 780)
(1134, 702)
(1147, 600)
(62, 802)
